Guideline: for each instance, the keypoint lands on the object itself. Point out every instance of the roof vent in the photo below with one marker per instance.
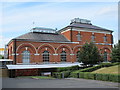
(78, 20)
(43, 30)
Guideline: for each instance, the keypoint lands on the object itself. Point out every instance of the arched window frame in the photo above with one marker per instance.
(46, 56)
(26, 57)
(78, 37)
(93, 38)
(77, 55)
(105, 56)
(105, 38)
(63, 56)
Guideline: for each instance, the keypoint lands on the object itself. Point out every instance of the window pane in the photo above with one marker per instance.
(26, 57)
(105, 56)
(45, 56)
(93, 38)
(77, 56)
(63, 56)
(78, 37)
(105, 38)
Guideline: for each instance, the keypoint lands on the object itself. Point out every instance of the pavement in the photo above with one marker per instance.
(55, 83)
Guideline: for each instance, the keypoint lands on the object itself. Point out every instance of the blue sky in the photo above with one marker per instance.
(17, 17)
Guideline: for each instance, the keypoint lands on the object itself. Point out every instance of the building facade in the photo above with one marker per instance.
(44, 45)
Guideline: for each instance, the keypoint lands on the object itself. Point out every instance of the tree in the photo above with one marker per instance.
(89, 54)
(1, 57)
(115, 55)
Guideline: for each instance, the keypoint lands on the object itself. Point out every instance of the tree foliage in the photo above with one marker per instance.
(1, 57)
(89, 54)
(115, 55)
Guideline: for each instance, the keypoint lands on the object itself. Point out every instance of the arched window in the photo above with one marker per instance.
(46, 56)
(26, 57)
(77, 55)
(105, 56)
(93, 38)
(78, 37)
(63, 56)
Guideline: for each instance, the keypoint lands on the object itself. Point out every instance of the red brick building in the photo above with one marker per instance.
(43, 45)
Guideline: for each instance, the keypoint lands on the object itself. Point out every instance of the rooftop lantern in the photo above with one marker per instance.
(78, 20)
(43, 30)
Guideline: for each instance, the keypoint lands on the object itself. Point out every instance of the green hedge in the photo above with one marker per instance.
(68, 68)
(96, 76)
(85, 73)
(90, 69)
(63, 74)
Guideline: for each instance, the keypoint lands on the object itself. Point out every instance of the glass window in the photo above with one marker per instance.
(26, 57)
(77, 55)
(46, 56)
(105, 56)
(63, 56)
(93, 38)
(79, 37)
(105, 38)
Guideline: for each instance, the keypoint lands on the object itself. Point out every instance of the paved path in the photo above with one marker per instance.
(55, 83)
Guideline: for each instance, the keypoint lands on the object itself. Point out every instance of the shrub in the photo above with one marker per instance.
(90, 69)
(66, 73)
(62, 69)
(74, 74)
(105, 77)
(68, 68)
(114, 78)
(86, 75)
(116, 63)
(92, 76)
(98, 76)
(81, 75)
(106, 64)
(57, 75)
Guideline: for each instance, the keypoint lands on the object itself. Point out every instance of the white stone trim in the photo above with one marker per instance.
(65, 30)
(88, 30)
(14, 54)
(72, 54)
(26, 43)
(103, 43)
(36, 54)
(55, 54)
(47, 45)
(77, 46)
(65, 45)
(106, 47)
(58, 42)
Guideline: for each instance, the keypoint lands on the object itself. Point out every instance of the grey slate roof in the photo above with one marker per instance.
(38, 36)
(88, 26)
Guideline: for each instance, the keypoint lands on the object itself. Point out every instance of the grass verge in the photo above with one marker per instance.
(36, 77)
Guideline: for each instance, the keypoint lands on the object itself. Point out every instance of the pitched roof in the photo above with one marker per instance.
(39, 36)
(87, 26)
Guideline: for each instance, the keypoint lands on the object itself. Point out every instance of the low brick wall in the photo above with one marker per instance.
(26, 72)
(29, 72)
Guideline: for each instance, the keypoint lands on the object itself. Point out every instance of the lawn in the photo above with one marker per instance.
(37, 77)
(108, 70)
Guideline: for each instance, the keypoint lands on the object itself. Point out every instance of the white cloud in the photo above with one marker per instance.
(108, 10)
(54, 16)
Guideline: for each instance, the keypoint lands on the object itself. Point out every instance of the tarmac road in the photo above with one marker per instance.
(55, 83)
